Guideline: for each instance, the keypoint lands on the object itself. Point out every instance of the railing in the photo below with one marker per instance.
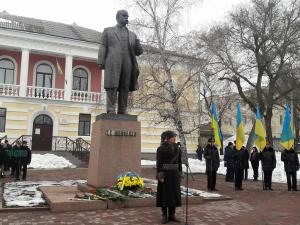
(54, 94)
(45, 93)
(9, 90)
(27, 138)
(90, 97)
(60, 143)
(3, 138)
(81, 143)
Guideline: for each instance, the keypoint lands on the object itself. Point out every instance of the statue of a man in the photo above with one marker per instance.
(117, 56)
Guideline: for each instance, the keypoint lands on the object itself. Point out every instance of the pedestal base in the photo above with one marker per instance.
(115, 148)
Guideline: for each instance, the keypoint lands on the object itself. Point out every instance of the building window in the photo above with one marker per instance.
(44, 76)
(7, 71)
(2, 119)
(84, 124)
(80, 80)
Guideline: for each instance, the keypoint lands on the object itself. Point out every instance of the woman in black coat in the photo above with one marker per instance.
(268, 161)
(169, 170)
(291, 166)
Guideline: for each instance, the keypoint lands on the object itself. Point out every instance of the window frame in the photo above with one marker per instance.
(5, 70)
(44, 75)
(81, 132)
(80, 79)
(2, 130)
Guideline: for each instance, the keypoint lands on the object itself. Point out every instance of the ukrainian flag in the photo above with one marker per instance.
(58, 67)
(240, 135)
(287, 137)
(215, 126)
(260, 133)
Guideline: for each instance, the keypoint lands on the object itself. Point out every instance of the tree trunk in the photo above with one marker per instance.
(268, 124)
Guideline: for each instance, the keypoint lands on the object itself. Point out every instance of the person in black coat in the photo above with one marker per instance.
(25, 160)
(229, 162)
(268, 161)
(246, 162)
(199, 152)
(239, 166)
(291, 166)
(254, 159)
(212, 161)
(18, 155)
(3, 160)
(169, 173)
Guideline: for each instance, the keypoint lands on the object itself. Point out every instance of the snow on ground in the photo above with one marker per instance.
(49, 161)
(203, 194)
(198, 166)
(26, 193)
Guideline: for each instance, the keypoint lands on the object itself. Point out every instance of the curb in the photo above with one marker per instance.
(23, 209)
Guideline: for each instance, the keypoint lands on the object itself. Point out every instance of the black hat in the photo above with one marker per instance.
(230, 143)
(168, 134)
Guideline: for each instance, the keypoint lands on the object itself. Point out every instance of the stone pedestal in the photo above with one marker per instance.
(115, 148)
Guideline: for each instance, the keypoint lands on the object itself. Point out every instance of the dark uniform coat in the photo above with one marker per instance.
(26, 160)
(246, 158)
(212, 159)
(168, 192)
(228, 157)
(291, 161)
(110, 55)
(268, 159)
(3, 155)
(239, 159)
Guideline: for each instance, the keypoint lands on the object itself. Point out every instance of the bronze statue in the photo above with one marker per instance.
(117, 56)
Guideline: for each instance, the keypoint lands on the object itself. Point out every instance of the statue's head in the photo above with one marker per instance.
(122, 17)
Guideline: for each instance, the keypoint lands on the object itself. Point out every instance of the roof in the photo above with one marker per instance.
(69, 31)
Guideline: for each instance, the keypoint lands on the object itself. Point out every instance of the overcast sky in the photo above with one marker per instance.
(97, 14)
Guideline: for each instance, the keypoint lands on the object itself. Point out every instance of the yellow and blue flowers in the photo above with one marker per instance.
(129, 181)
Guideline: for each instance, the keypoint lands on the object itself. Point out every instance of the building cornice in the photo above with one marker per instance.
(48, 44)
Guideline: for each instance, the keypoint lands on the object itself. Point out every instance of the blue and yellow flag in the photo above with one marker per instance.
(287, 137)
(240, 135)
(215, 126)
(260, 133)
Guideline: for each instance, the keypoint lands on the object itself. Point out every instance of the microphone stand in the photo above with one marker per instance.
(187, 183)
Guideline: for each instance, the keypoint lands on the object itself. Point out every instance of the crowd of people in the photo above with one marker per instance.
(14, 159)
(237, 165)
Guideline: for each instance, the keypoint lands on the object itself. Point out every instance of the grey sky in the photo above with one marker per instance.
(97, 14)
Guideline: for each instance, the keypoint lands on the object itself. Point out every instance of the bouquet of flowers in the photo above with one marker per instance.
(129, 181)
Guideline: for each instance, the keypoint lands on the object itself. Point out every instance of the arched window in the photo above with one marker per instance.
(80, 80)
(43, 119)
(44, 76)
(7, 71)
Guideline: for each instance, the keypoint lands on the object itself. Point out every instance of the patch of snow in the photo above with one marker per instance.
(148, 163)
(49, 161)
(26, 193)
(201, 193)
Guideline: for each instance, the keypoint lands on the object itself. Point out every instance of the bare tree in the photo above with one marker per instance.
(255, 49)
(169, 75)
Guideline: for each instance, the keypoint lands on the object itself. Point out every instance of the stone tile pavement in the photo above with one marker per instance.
(250, 207)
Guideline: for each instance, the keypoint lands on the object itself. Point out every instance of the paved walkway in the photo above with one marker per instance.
(250, 207)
